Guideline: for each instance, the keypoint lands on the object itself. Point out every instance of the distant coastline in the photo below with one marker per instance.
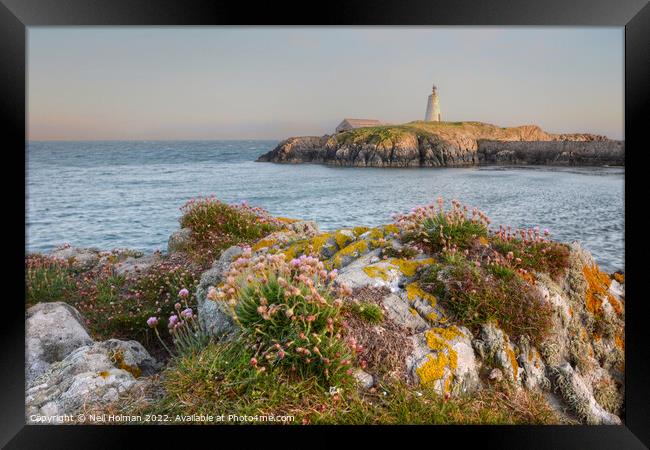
(448, 144)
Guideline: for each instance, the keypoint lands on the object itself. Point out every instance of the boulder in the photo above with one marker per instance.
(53, 331)
(93, 375)
(179, 240)
(79, 258)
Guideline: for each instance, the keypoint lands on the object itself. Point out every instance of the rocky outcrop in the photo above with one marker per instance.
(447, 144)
(67, 371)
(578, 365)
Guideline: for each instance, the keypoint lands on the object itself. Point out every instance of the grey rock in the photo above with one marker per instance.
(53, 330)
(132, 265)
(305, 227)
(92, 375)
(214, 316)
(399, 312)
(179, 240)
(495, 348)
(79, 258)
(355, 277)
(363, 379)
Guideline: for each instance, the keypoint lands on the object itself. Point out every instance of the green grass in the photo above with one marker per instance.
(220, 380)
(367, 311)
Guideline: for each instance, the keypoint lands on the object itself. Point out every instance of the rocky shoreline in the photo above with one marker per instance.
(577, 367)
(448, 144)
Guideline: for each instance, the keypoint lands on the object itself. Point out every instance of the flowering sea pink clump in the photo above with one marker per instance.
(290, 313)
(434, 228)
(216, 226)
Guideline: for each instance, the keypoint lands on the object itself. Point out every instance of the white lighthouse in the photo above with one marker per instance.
(433, 107)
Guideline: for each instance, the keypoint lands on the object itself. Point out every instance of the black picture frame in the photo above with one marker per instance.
(16, 15)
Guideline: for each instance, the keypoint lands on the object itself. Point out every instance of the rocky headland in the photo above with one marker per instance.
(448, 144)
(463, 324)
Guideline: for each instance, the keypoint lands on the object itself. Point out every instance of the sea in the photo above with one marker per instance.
(128, 194)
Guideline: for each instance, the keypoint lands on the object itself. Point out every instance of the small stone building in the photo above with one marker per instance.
(349, 124)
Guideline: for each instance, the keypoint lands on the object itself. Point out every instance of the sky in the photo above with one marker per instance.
(103, 83)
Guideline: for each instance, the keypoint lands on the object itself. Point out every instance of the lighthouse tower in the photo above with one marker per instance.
(433, 107)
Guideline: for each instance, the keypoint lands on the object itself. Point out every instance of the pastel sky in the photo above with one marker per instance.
(87, 83)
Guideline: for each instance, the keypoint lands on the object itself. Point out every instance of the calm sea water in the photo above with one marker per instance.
(128, 194)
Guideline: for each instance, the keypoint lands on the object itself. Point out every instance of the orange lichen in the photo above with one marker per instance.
(597, 286)
(103, 374)
(513, 361)
(619, 277)
(618, 340)
(616, 305)
(118, 359)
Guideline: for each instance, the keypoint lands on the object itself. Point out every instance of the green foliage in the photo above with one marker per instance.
(48, 279)
(474, 295)
(367, 311)
(216, 226)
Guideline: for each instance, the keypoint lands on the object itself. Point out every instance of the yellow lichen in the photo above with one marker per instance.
(483, 240)
(448, 381)
(432, 316)
(263, 243)
(391, 228)
(433, 369)
(103, 374)
(413, 291)
(376, 272)
(318, 242)
(296, 249)
(409, 266)
(438, 341)
(341, 239)
(413, 311)
(355, 249)
(358, 231)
